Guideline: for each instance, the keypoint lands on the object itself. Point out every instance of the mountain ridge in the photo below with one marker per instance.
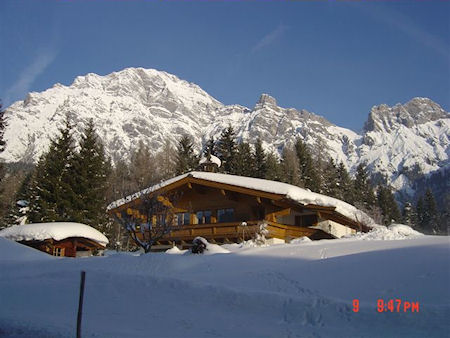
(145, 104)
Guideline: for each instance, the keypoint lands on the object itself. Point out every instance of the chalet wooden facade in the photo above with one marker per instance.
(227, 208)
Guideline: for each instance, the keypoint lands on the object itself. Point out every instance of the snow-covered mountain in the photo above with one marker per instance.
(137, 104)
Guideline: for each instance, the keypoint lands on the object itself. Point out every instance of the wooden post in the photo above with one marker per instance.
(80, 303)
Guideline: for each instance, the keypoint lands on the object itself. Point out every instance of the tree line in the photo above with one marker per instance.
(75, 181)
(299, 165)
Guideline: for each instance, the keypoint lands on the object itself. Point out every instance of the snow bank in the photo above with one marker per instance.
(214, 249)
(276, 291)
(11, 251)
(297, 194)
(56, 230)
(300, 240)
(392, 232)
(175, 251)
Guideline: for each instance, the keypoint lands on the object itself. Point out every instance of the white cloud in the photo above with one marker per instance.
(26, 78)
(269, 38)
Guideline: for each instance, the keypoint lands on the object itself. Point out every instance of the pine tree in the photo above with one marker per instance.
(210, 147)
(18, 210)
(345, 184)
(430, 219)
(244, 162)
(290, 167)
(388, 205)
(363, 190)
(420, 210)
(91, 170)
(409, 216)
(330, 186)
(259, 160)
(226, 150)
(186, 159)
(273, 168)
(53, 197)
(308, 175)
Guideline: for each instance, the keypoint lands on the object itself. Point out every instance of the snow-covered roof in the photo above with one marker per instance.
(213, 159)
(56, 230)
(297, 194)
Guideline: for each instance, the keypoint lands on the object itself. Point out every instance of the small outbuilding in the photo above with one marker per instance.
(65, 239)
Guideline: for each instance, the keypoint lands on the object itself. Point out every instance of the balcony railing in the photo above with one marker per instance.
(234, 231)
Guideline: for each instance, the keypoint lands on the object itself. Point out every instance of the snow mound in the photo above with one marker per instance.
(12, 251)
(175, 251)
(215, 249)
(301, 240)
(56, 230)
(392, 232)
(202, 246)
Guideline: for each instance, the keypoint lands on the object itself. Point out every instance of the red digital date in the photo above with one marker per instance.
(392, 305)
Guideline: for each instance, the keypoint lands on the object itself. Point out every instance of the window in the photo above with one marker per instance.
(306, 220)
(204, 216)
(225, 215)
(58, 251)
(183, 218)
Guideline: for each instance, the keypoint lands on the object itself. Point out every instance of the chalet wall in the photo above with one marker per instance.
(246, 208)
(335, 229)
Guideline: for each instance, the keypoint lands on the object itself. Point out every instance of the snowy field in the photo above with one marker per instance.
(288, 290)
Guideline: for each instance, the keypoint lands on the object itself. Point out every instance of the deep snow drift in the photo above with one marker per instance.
(304, 289)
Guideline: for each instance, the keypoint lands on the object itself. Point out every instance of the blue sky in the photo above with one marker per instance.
(337, 59)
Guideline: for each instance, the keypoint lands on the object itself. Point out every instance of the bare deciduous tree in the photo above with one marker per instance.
(150, 221)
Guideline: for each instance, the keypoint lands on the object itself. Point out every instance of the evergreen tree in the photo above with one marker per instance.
(273, 168)
(210, 147)
(345, 184)
(226, 150)
(363, 190)
(186, 159)
(308, 175)
(53, 197)
(91, 170)
(330, 186)
(387, 204)
(409, 215)
(244, 162)
(259, 160)
(290, 167)
(430, 219)
(18, 209)
(420, 210)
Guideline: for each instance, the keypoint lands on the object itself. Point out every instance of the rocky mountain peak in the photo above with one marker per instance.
(415, 112)
(265, 100)
(137, 104)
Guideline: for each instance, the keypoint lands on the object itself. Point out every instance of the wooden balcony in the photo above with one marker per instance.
(234, 232)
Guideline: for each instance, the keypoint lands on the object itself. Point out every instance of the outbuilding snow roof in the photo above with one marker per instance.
(56, 230)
